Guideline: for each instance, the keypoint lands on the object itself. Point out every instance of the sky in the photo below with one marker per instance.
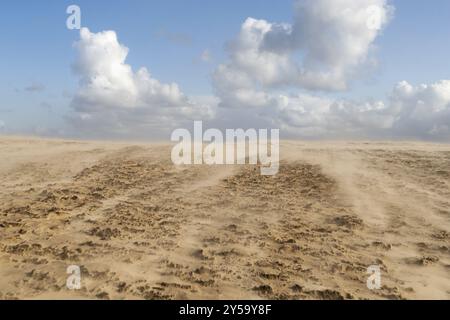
(314, 69)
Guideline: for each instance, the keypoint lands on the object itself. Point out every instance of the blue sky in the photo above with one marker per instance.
(168, 37)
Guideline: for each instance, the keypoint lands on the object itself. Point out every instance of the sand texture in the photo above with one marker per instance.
(141, 228)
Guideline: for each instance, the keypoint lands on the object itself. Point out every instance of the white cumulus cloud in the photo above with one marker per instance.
(112, 97)
(323, 49)
(422, 111)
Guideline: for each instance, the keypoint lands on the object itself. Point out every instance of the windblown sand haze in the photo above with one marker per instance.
(140, 227)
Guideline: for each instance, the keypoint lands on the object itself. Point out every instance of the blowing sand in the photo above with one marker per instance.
(141, 228)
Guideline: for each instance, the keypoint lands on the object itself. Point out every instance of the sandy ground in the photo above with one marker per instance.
(141, 228)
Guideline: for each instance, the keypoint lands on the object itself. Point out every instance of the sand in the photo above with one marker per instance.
(142, 228)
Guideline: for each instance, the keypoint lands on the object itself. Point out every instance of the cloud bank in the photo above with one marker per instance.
(328, 45)
(421, 112)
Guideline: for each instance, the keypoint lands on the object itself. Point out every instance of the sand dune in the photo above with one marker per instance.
(142, 228)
